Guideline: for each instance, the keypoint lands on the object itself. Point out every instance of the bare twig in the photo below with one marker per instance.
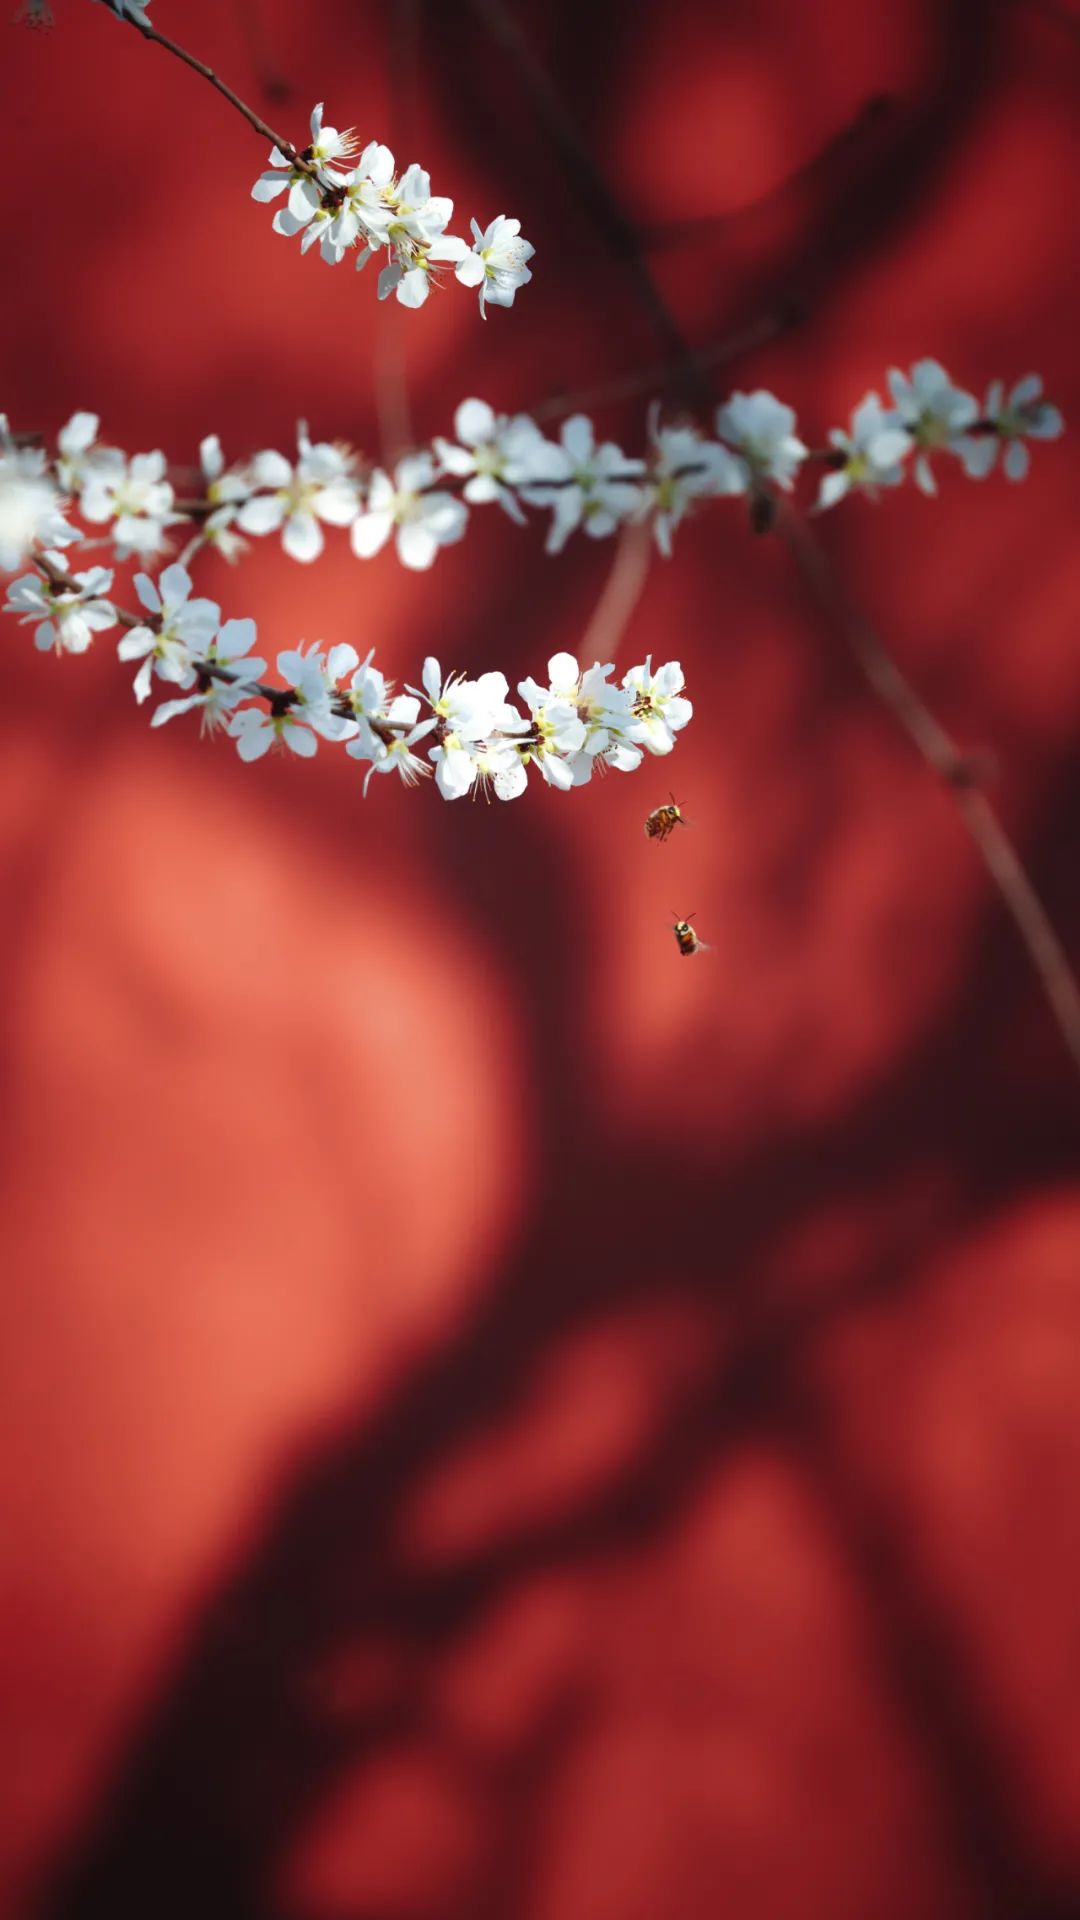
(255, 120)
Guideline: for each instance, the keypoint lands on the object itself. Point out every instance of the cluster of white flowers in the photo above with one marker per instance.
(65, 619)
(581, 482)
(477, 738)
(930, 415)
(31, 504)
(345, 203)
(132, 498)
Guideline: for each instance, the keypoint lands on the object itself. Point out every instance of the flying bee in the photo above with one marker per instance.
(687, 940)
(663, 821)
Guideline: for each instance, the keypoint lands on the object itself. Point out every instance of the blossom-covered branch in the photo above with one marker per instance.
(755, 455)
(578, 723)
(366, 209)
(350, 200)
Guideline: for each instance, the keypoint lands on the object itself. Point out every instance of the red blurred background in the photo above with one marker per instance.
(499, 1422)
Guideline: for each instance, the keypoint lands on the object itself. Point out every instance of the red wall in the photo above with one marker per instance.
(499, 1422)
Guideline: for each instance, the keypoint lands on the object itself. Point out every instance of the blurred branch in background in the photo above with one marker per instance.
(958, 772)
(622, 591)
(393, 411)
(999, 856)
(592, 190)
(142, 25)
(272, 82)
(648, 379)
(842, 152)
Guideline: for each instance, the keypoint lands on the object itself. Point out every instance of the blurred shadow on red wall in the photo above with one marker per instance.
(503, 1423)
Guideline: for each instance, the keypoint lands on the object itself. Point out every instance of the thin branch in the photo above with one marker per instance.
(255, 120)
(955, 770)
(64, 583)
(279, 699)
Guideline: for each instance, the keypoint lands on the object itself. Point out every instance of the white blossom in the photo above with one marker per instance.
(320, 488)
(368, 691)
(386, 729)
(327, 144)
(494, 761)
(135, 495)
(493, 456)
(308, 214)
(224, 486)
(179, 631)
(31, 510)
(464, 713)
(421, 517)
(761, 430)
(684, 467)
(226, 490)
(660, 708)
(555, 736)
(284, 176)
(363, 205)
(604, 710)
(313, 684)
(300, 711)
(329, 670)
(497, 263)
(416, 238)
(79, 455)
(390, 750)
(934, 412)
(256, 731)
(296, 179)
(67, 619)
(1024, 416)
(583, 484)
(872, 453)
(225, 672)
